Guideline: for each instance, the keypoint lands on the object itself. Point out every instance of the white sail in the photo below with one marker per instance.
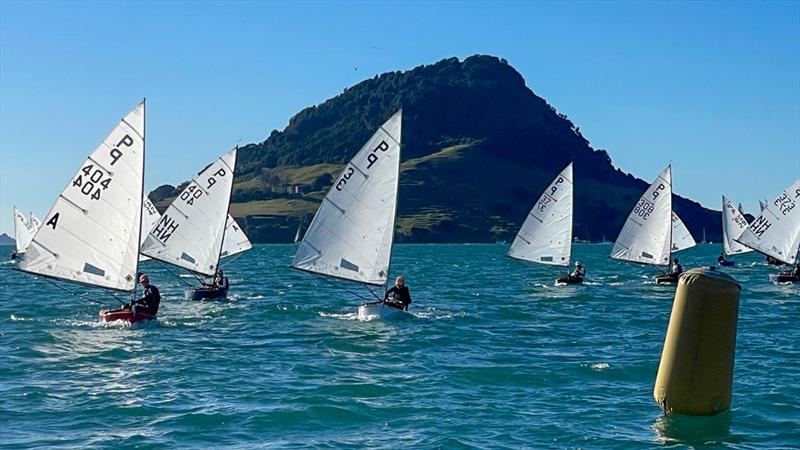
(22, 231)
(733, 225)
(646, 236)
(297, 235)
(190, 233)
(776, 232)
(546, 235)
(34, 223)
(681, 238)
(235, 241)
(351, 234)
(762, 205)
(150, 217)
(91, 234)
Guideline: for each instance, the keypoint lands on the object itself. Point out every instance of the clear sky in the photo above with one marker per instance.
(713, 87)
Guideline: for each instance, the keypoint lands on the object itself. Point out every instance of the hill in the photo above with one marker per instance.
(479, 146)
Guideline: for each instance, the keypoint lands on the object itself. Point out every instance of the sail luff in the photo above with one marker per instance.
(545, 236)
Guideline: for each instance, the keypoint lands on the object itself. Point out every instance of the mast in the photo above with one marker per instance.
(394, 223)
(141, 199)
(227, 212)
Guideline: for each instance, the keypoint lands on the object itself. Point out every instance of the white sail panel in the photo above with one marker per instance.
(150, 217)
(91, 234)
(34, 223)
(681, 238)
(23, 231)
(733, 225)
(546, 235)
(190, 233)
(235, 241)
(351, 234)
(776, 232)
(646, 235)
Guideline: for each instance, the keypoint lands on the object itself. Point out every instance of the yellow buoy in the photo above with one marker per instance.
(695, 376)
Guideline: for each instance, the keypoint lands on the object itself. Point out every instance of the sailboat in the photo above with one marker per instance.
(776, 232)
(91, 234)
(681, 237)
(733, 225)
(297, 235)
(351, 235)
(646, 236)
(24, 230)
(191, 231)
(546, 234)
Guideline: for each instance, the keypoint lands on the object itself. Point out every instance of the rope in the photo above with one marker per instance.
(372, 292)
(77, 295)
(165, 267)
(338, 286)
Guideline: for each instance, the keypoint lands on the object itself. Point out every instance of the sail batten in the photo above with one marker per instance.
(776, 232)
(351, 234)
(191, 231)
(546, 235)
(91, 234)
(733, 225)
(646, 236)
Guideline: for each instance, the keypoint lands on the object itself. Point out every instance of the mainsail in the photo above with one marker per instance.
(190, 233)
(776, 232)
(91, 234)
(681, 238)
(546, 235)
(733, 225)
(23, 231)
(150, 217)
(235, 240)
(646, 236)
(351, 234)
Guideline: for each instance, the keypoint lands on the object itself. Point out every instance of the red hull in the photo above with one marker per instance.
(124, 314)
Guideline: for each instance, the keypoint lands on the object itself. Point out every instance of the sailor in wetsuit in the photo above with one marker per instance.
(579, 273)
(721, 258)
(398, 296)
(221, 281)
(677, 269)
(151, 300)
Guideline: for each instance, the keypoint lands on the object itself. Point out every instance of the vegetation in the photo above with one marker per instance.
(478, 148)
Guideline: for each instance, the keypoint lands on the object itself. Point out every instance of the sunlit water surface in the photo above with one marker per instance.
(494, 356)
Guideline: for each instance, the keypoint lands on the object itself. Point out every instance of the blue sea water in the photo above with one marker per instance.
(494, 356)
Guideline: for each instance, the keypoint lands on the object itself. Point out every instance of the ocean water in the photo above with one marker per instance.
(494, 356)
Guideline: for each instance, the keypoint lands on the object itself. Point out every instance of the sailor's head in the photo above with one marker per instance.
(675, 260)
(221, 273)
(577, 264)
(400, 281)
(144, 279)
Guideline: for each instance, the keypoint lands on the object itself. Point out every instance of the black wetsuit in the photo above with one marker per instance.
(222, 284)
(150, 302)
(578, 274)
(677, 270)
(398, 297)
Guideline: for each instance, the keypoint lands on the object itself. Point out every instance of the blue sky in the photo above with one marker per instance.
(712, 87)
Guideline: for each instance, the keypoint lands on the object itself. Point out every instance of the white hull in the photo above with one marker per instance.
(379, 310)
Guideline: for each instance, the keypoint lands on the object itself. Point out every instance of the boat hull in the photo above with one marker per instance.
(666, 279)
(727, 263)
(563, 281)
(783, 278)
(124, 315)
(200, 294)
(380, 310)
